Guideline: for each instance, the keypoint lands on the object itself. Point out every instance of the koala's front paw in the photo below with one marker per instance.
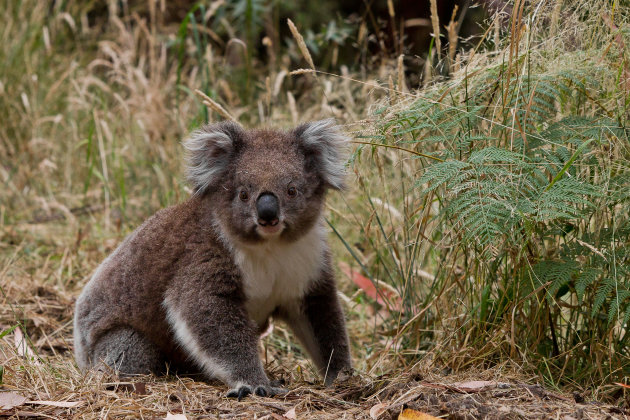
(260, 390)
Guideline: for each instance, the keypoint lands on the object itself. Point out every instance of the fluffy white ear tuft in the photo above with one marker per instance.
(327, 146)
(209, 150)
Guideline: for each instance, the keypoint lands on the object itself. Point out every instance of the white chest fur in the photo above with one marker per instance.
(277, 273)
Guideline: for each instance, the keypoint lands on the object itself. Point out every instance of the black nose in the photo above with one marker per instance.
(268, 208)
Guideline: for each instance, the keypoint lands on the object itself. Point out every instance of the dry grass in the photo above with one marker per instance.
(93, 111)
(53, 377)
(47, 265)
(448, 322)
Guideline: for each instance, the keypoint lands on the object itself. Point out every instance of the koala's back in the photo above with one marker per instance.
(128, 288)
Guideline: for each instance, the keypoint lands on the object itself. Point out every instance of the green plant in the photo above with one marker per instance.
(514, 239)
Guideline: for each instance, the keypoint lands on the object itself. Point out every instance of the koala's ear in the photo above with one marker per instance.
(209, 150)
(326, 147)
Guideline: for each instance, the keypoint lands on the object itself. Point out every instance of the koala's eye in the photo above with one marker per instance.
(243, 195)
(292, 191)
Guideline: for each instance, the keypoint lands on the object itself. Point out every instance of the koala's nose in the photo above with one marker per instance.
(268, 208)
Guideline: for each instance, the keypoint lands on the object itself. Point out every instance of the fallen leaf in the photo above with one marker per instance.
(384, 294)
(8, 400)
(170, 416)
(535, 390)
(139, 388)
(409, 414)
(291, 414)
(408, 396)
(377, 410)
(474, 386)
(432, 385)
(62, 404)
(268, 331)
(22, 346)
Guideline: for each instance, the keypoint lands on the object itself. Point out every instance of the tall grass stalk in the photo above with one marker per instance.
(510, 185)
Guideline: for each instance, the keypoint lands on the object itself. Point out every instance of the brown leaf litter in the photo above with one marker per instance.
(71, 394)
(39, 377)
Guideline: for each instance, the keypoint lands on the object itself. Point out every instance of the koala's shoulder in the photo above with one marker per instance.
(170, 223)
(186, 233)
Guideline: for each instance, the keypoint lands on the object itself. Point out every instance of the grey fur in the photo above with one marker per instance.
(325, 139)
(125, 350)
(208, 152)
(195, 284)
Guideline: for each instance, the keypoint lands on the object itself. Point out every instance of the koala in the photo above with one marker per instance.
(194, 286)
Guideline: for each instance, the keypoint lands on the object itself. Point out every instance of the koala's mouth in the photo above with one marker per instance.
(269, 230)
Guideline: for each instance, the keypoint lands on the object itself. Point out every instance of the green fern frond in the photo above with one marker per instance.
(495, 154)
(439, 174)
(586, 278)
(617, 304)
(563, 200)
(556, 273)
(606, 286)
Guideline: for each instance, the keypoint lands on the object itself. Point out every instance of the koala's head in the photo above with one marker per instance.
(266, 184)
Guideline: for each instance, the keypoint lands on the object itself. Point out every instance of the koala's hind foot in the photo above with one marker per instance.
(127, 352)
(261, 390)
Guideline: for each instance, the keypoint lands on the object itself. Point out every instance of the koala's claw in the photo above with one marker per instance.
(240, 392)
(261, 391)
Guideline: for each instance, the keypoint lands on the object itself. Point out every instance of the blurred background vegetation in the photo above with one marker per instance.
(489, 185)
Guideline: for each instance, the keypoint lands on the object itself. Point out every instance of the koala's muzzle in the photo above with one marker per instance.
(268, 208)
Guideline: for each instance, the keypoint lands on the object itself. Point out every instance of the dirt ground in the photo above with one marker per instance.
(39, 378)
(354, 398)
(52, 387)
